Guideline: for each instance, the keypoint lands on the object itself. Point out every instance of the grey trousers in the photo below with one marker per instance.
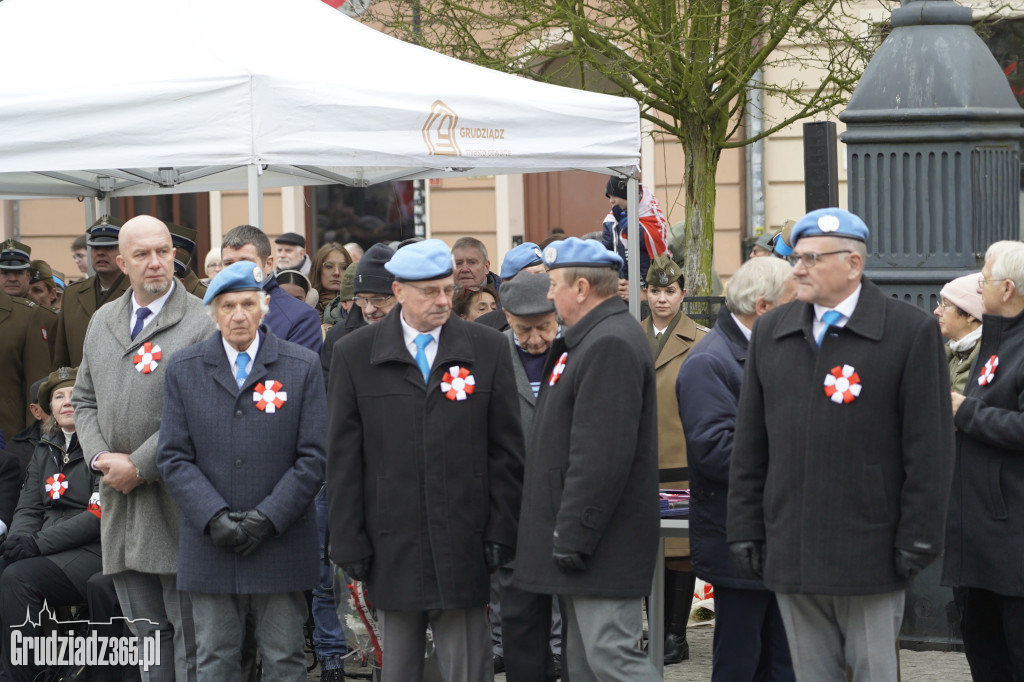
(220, 629)
(462, 643)
(602, 641)
(827, 633)
(155, 599)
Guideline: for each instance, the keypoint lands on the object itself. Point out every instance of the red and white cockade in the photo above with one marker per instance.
(842, 384)
(269, 397)
(146, 358)
(457, 383)
(988, 372)
(56, 486)
(556, 371)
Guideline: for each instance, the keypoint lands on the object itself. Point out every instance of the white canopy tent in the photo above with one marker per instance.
(112, 98)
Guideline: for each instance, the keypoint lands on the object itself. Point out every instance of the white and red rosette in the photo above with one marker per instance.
(457, 383)
(988, 372)
(269, 397)
(842, 384)
(56, 486)
(556, 371)
(146, 358)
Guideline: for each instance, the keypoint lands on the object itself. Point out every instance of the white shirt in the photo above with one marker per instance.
(845, 307)
(233, 354)
(410, 334)
(154, 308)
(743, 328)
(657, 332)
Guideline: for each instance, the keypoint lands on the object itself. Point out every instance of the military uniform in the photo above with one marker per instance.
(184, 240)
(193, 284)
(25, 330)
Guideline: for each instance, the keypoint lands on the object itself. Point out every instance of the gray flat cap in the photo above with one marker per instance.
(527, 294)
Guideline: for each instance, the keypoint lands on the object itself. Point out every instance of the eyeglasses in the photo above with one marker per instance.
(810, 259)
(433, 292)
(377, 301)
(982, 280)
(943, 303)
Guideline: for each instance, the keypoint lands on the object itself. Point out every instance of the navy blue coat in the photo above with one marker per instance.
(708, 392)
(219, 450)
(291, 319)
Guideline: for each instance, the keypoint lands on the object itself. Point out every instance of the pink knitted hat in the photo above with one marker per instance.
(963, 293)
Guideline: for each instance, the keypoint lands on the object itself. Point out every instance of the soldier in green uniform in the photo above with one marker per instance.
(184, 240)
(14, 268)
(41, 287)
(24, 355)
(85, 297)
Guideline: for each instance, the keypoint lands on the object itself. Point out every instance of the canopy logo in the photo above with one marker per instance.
(439, 130)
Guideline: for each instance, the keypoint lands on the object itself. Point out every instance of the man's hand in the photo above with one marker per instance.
(568, 562)
(748, 558)
(909, 564)
(18, 547)
(958, 400)
(619, 213)
(497, 555)
(357, 570)
(225, 531)
(119, 472)
(256, 527)
(624, 289)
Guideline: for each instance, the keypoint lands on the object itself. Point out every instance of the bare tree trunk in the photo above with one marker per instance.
(701, 161)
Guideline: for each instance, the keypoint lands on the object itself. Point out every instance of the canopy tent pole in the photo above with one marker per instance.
(255, 196)
(633, 244)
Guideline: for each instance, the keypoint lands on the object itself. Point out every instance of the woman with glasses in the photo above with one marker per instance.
(959, 311)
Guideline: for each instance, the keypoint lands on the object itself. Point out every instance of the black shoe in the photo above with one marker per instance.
(676, 649)
(332, 674)
(499, 664)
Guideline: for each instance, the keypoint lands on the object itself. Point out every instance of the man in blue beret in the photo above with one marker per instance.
(588, 530)
(424, 468)
(525, 257)
(842, 456)
(242, 452)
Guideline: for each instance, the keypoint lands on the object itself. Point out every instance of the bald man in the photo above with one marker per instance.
(118, 399)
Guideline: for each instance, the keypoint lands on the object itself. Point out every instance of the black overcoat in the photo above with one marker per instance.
(591, 479)
(832, 488)
(416, 479)
(985, 527)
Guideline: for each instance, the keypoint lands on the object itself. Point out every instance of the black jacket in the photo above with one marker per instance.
(985, 526)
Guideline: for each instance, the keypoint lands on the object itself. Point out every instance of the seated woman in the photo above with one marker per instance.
(473, 302)
(53, 545)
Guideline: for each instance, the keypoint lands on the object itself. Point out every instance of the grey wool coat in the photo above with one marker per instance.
(591, 475)
(833, 488)
(220, 450)
(117, 409)
(417, 480)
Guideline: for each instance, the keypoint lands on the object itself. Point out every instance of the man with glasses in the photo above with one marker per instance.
(842, 456)
(425, 453)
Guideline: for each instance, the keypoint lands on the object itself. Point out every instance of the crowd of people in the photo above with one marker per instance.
(483, 452)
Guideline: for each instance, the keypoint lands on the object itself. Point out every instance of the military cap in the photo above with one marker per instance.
(59, 280)
(425, 260)
(183, 237)
(663, 271)
(182, 259)
(580, 253)
(293, 238)
(346, 292)
(242, 275)
(782, 243)
(40, 271)
(371, 275)
(527, 294)
(829, 222)
(104, 232)
(14, 255)
(61, 377)
(522, 256)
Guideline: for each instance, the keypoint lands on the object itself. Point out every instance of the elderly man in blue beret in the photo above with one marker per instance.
(523, 258)
(842, 456)
(589, 525)
(424, 468)
(242, 452)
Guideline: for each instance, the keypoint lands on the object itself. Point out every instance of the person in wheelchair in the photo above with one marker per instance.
(53, 545)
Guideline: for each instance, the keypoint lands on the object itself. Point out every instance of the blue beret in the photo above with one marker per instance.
(14, 255)
(428, 259)
(829, 222)
(522, 256)
(583, 253)
(242, 275)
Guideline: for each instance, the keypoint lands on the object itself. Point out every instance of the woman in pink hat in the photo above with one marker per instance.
(959, 311)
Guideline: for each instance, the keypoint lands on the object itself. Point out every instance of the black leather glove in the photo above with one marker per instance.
(359, 569)
(18, 547)
(225, 531)
(748, 558)
(909, 564)
(256, 527)
(497, 555)
(568, 562)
